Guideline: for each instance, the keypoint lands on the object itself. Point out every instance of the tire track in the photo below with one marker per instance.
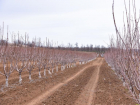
(48, 93)
(88, 94)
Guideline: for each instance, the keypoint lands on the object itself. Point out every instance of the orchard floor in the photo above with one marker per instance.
(93, 83)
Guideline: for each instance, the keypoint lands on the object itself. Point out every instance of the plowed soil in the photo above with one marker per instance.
(110, 90)
(93, 83)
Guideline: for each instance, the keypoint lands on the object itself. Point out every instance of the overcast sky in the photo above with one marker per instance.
(65, 21)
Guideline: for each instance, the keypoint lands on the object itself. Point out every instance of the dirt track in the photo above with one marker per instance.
(75, 86)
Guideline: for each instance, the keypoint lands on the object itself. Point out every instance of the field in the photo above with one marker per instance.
(93, 83)
(80, 69)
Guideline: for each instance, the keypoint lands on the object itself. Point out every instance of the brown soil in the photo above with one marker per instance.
(110, 90)
(87, 94)
(46, 94)
(68, 94)
(89, 84)
(20, 94)
(14, 77)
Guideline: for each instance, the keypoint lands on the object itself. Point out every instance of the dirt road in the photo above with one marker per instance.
(87, 94)
(90, 84)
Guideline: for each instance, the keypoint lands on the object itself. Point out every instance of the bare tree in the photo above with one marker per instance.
(123, 55)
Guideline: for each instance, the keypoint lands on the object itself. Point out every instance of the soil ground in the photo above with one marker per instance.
(110, 90)
(94, 83)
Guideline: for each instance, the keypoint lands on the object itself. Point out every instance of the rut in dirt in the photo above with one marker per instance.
(87, 95)
(94, 83)
(69, 92)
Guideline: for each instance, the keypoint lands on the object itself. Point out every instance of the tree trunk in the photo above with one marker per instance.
(52, 70)
(20, 78)
(61, 68)
(7, 84)
(74, 64)
(39, 74)
(69, 65)
(49, 72)
(124, 84)
(30, 78)
(44, 72)
(56, 68)
(139, 96)
(64, 67)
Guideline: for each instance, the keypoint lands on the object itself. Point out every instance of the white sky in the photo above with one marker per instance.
(65, 21)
